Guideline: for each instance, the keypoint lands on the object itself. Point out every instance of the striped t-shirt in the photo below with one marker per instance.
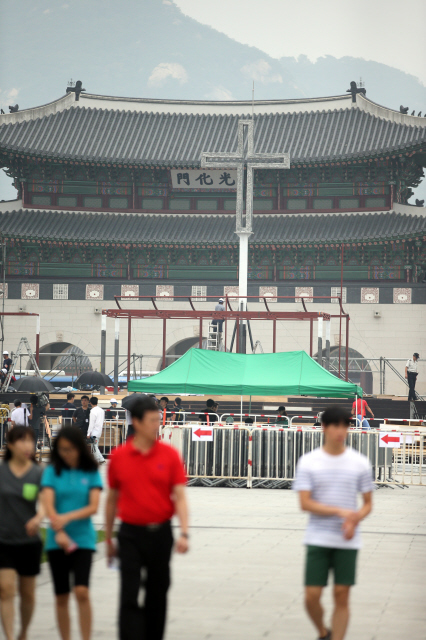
(334, 481)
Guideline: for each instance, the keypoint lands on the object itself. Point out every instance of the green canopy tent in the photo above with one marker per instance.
(200, 371)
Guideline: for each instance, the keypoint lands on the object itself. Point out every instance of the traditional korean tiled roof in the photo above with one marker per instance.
(208, 229)
(174, 133)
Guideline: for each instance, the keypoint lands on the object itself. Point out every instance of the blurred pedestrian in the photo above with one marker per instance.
(20, 543)
(328, 480)
(147, 486)
(71, 491)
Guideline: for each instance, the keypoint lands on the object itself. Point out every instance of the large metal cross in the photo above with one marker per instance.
(239, 160)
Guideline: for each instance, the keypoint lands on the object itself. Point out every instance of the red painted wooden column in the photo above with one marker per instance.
(164, 342)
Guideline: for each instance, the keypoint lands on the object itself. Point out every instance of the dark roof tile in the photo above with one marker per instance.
(208, 229)
(163, 138)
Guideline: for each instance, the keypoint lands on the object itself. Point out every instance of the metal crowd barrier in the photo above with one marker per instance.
(226, 458)
(268, 455)
(265, 418)
(358, 423)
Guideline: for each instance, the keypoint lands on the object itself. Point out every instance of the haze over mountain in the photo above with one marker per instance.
(150, 48)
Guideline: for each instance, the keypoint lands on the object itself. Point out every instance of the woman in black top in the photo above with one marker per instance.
(20, 544)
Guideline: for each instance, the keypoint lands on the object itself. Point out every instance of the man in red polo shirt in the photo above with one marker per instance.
(147, 487)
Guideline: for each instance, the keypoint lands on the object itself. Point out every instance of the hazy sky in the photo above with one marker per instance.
(136, 47)
(387, 31)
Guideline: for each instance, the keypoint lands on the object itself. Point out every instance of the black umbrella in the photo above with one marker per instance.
(128, 401)
(94, 379)
(33, 384)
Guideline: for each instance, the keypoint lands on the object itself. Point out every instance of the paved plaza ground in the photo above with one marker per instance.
(243, 577)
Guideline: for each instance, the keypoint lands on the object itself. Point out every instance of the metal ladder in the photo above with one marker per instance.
(213, 337)
(23, 344)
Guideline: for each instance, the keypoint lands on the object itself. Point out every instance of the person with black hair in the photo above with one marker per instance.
(411, 374)
(7, 361)
(37, 414)
(112, 412)
(282, 418)
(81, 415)
(163, 404)
(328, 480)
(177, 411)
(20, 543)
(208, 411)
(146, 488)
(71, 492)
(68, 410)
(19, 416)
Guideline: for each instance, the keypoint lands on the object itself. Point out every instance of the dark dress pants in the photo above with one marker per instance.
(144, 563)
(411, 379)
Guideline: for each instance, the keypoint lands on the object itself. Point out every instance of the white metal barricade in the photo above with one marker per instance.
(225, 458)
(358, 422)
(259, 419)
(269, 455)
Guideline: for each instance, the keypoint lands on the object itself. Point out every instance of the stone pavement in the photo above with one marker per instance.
(243, 577)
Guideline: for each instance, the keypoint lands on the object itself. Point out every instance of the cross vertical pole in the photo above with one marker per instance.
(311, 336)
(103, 347)
(37, 355)
(244, 158)
(116, 353)
(274, 336)
(103, 343)
(242, 284)
(200, 341)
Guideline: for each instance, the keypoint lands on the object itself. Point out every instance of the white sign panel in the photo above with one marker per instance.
(204, 179)
(202, 433)
(390, 440)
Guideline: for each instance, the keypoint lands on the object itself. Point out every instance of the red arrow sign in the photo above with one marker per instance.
(200, 433)
(388, 438)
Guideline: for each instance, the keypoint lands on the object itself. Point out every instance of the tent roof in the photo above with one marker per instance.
(264, 374)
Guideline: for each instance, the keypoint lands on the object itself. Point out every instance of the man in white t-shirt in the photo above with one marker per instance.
(19, 416)
(329, 480)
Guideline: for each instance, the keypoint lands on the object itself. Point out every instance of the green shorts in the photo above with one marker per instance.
(319, 561)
